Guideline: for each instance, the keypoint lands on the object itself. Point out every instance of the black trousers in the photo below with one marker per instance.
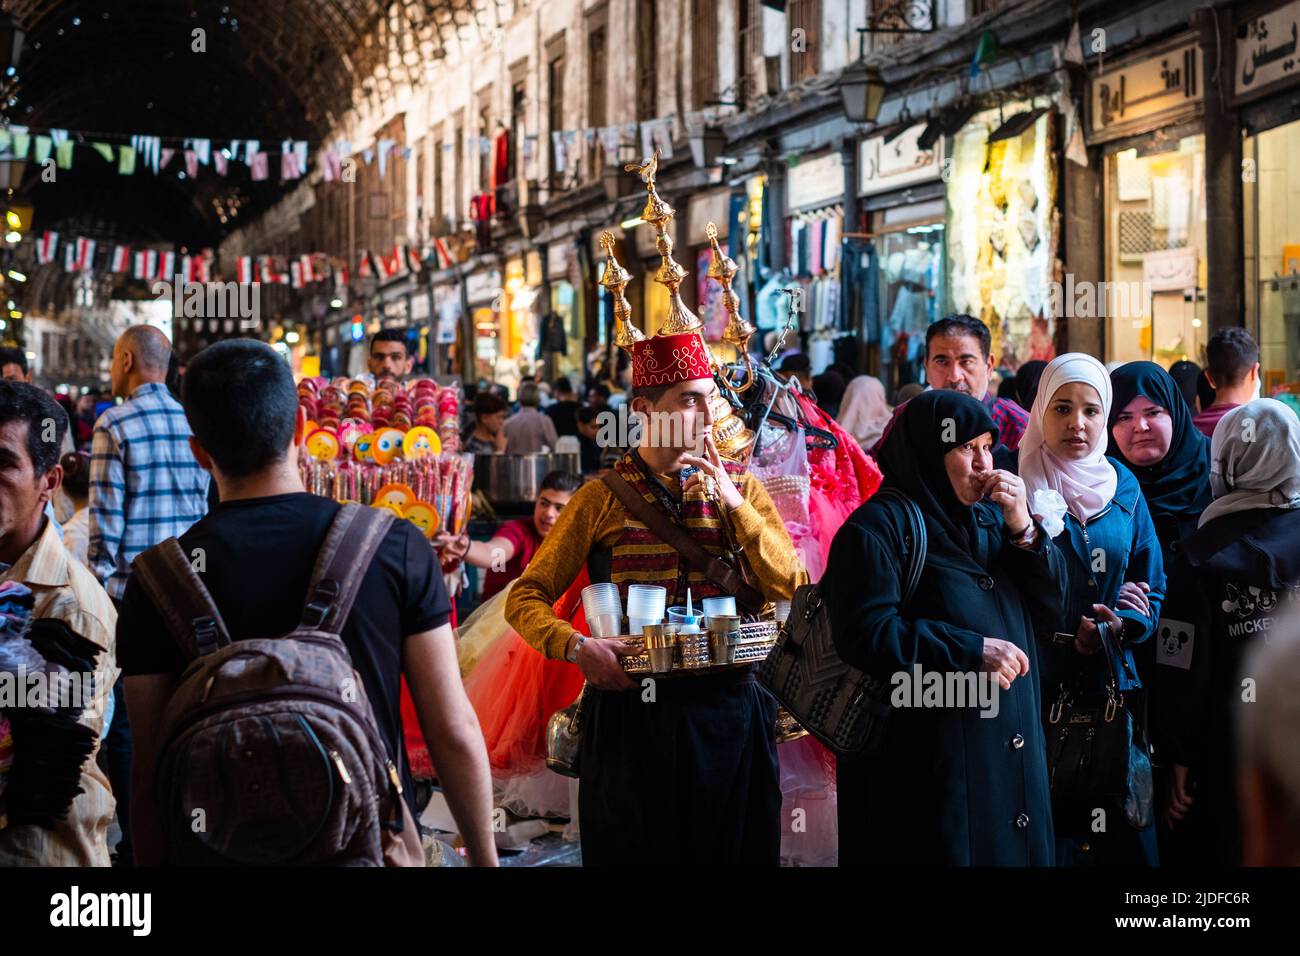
(689, 777)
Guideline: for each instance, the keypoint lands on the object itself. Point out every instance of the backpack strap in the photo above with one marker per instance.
(182, 599)
(350, 545)
(915, 542)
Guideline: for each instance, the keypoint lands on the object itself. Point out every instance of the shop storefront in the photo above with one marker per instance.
(447, 322)
(483, 297)
(1266, 84)
(1144, 113)
(1003, 229)
(893, 275)
(563, 329)
(815, 229)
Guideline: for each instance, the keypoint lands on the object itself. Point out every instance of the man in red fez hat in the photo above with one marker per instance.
(679, 770)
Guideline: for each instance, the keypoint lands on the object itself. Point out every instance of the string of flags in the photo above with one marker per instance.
(144, 152)
(296, 271)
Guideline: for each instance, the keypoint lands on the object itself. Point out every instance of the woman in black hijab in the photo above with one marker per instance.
(1027, 377)
(1152, 434)
(961, 774)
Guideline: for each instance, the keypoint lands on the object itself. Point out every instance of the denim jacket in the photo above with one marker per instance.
(1117, 545)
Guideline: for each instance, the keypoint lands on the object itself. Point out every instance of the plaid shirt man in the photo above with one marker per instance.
(1010, 418)
(145, 485)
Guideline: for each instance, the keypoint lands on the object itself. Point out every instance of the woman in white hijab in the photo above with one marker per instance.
(1093, 507)
(864, 413)
(1237, 581)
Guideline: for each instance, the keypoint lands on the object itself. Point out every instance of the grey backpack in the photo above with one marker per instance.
(270, 753)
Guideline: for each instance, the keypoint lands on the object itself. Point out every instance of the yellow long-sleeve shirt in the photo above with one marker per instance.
(594, 517)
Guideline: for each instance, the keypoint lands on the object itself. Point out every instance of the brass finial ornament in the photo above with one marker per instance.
(615, 280)
(671, 273)
(723, 269)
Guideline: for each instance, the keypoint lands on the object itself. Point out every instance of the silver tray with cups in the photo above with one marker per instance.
(688, 641)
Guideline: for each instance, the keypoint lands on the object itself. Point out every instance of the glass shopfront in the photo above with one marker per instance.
(1155, 251)
(1272, 245)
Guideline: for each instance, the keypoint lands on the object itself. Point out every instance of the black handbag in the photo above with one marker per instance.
(842, 706)
(1097, 755)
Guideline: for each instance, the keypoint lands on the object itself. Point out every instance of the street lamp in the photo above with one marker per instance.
(862, 90)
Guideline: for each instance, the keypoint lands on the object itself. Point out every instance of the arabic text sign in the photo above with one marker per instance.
(1170, 270)
(883, 166)
(1267, 52)
(1166, 82)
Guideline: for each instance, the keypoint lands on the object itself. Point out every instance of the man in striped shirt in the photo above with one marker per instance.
(145, 487)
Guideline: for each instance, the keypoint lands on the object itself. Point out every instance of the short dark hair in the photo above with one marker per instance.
(20, 402)
(563, 384)
(601, 389)
(485, 403)
(651, 393)
(241, 402)
(1230, 355)
(587, 414)
(959, 324)
(389, 335)
(12, 356)
(561, 481)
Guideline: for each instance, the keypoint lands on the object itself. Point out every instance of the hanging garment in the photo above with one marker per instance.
(831, 243)
(817, 232)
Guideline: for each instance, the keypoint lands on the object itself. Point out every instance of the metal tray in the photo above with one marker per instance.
(693, 654)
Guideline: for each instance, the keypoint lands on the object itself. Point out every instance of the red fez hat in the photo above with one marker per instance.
(667, 359)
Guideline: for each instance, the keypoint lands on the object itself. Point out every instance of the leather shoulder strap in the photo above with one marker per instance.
(350, 545)
(670, 533)
(919, 543)
(184, 602)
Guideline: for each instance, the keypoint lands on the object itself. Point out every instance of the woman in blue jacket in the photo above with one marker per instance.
(1094, 509)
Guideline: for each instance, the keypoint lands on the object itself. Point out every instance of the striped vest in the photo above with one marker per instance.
(639, 557)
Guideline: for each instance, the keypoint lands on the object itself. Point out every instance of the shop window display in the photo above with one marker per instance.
(1155, 205)
(1272, 246)
(1003, 232)
(909, 261)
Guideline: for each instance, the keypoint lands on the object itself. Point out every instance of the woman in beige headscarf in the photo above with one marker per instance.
(864, 413)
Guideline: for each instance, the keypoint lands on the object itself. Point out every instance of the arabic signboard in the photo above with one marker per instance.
(1160, 88)
(815, 182)
(884, 166)
(1266, 50)
(1169, 270)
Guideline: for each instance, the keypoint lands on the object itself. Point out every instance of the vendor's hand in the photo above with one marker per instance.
(598, 659)
(1087, 639)
(1004, 659)
(710, 468)
(1008, 492)
(1133, 597)
(452, 545)
(1178, 798)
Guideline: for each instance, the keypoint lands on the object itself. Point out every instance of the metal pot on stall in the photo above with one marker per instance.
(517, 479)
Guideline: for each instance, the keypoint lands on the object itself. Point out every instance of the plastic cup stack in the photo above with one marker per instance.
(645, 605)
(604, 609)
(722, 606)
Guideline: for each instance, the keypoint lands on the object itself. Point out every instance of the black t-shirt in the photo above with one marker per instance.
(564, 415)
(258, 555)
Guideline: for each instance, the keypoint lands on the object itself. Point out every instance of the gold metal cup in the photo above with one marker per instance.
(661, 645)
(724, 634)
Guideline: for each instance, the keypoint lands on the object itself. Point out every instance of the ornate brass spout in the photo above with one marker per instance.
(671, 273)
(723, 270)
(615, 280)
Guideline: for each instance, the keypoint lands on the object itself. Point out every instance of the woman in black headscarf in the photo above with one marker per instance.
(1027, 377)
(1152, 434)
(956, 780)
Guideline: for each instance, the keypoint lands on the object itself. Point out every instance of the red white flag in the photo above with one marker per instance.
(85, 253)
(203, 267)
(187, 268)
(295, 274)
(121, 259)
(244, 270)
(146, 263)
(305, 264)
(166, 265)
(45, 248)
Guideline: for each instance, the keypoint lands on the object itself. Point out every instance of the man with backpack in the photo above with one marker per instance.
(269, 750)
